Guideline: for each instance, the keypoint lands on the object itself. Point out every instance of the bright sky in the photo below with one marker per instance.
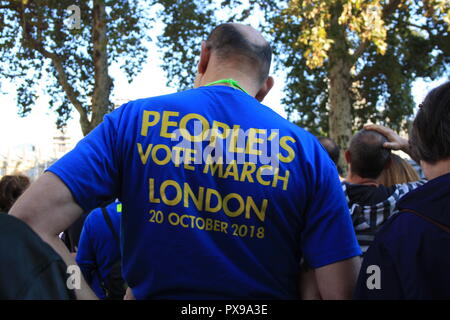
(38, 128)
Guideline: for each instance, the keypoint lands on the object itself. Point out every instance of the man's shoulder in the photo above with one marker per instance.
(395, 239)
(378, 196)
(367, 195)
(190, 100)
(159, 101)
(97, 214)
(409, 187)
(397, 231)
(94, 217)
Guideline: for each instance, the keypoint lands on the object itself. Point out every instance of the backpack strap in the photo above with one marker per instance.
(437, 224)
(110, 224)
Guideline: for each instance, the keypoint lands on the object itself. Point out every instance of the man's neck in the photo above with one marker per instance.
(436, 170)
(244, 81)
(355, 179)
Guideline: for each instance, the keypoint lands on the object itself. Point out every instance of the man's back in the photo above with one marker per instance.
(205, 229)
(367, 195)
(371, 206)
(410, 250)
(98, 249)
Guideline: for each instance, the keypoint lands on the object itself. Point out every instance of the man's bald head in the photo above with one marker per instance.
(241, 44)
(368, 156)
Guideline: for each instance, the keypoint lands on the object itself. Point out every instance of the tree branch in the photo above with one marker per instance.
(425, 28)
(387, 11)
(57, 62)
(365, 73)
(390, 8)
(359, 51)
(103, 82)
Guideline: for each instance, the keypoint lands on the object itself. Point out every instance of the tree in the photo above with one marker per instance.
(186, 23)
(35, 40)
(351, 61)
(346, 61)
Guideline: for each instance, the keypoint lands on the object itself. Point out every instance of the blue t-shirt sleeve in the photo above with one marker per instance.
(328, 235)
(91, 169)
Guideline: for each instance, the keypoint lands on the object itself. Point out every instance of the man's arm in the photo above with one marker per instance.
(48, 207)
(308, 285)
(328, 239)
(337, 281)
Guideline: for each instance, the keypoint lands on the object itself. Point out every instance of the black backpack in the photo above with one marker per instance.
(114, 285)
(29, 268)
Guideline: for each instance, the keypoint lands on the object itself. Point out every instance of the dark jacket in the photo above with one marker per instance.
(29, 267)
(370, 207)
(412, 253)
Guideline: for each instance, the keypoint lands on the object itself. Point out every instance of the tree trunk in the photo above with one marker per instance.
(86, 126)
(102, 81)
(340, 116)
(339, 94)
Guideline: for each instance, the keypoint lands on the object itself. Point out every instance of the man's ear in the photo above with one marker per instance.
(348, 157)
(268, 84)
(205, 54)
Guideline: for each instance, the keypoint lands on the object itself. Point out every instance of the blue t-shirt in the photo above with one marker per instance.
(98, 250)
(221, 196)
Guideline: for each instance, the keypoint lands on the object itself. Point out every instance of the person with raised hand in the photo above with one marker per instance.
(409, 258)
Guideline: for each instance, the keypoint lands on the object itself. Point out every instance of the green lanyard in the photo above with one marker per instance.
(231, 82)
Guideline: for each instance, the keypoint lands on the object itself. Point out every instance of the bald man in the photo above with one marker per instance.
(222, 198)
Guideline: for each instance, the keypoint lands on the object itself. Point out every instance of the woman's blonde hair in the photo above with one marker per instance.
(399, 171)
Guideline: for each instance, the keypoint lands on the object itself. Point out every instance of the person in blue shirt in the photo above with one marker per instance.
(222, 197)
(409, 258)
(99, 247)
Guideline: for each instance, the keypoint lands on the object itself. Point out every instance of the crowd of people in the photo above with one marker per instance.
(146, 216)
